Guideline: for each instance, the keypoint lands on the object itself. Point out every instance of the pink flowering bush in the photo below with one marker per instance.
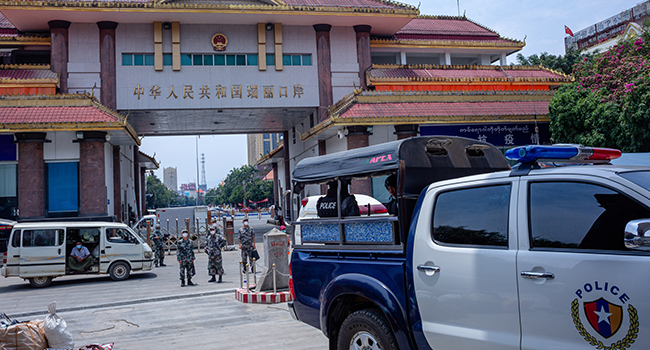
(608, 104)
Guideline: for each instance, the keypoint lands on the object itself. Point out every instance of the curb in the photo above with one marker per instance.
(124, 303)
(247, 297)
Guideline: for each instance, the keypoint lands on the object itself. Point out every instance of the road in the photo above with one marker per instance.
(151, 308)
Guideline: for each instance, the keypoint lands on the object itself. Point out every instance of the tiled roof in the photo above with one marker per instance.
(344, 3)
(446, 109)
(27, 73)
(451, 26)
(378, 73)
(55, 114)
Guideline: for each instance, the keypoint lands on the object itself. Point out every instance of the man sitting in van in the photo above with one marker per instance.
(80, 258)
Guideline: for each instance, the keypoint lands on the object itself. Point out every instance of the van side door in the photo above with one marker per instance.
(122, 244)
(42, 252)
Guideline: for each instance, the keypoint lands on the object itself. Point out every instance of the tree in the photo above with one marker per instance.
(241, 182)
(158, 195)
(608, 104)
(564, 64)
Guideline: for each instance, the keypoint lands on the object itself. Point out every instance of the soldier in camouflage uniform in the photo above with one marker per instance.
(246, 244)
(185, 257)
(159, 247)
(215, 242)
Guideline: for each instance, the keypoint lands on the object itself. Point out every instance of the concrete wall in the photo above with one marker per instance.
(345, 68)
(61, 147)
(195, 39)
(83, 58)
(126, 168)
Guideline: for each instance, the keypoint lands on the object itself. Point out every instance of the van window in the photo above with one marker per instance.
(119, 235)
(40, 238)
(16, 240)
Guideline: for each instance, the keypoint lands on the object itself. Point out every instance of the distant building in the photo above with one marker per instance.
(605, 34)
(189, 190)
(170, 178)
(260, 145)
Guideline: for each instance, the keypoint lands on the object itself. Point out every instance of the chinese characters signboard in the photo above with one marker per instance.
(502, 135)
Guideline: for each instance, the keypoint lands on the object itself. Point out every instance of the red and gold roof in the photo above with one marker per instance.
(447, 77)
(392, 107)
(77, 112)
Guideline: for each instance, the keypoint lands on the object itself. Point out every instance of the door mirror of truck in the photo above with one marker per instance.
(637, 235)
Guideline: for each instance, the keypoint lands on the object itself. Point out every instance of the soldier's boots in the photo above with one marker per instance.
(213, 279)
(161, 265)
(219, 281)
(189, 282)
(182, 283)
(156, 264)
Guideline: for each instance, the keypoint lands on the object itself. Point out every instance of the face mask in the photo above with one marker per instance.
(245, 224)
(184, 234)
(79, 247)
(212, 232)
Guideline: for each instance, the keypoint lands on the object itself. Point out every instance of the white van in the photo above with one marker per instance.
(39, 251)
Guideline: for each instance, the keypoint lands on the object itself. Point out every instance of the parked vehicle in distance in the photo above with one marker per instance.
(38, 251)
(172, 220)
(479, 256)
(5, 231)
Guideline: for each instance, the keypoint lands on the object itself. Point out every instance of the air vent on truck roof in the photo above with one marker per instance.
(438, 147)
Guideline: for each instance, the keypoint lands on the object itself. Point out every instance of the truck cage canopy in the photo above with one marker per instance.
(425, 159)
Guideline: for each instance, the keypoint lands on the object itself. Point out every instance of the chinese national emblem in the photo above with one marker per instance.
(605, 319)
(219, 42)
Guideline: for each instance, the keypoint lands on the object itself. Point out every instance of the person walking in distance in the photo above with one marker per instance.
(185, 257)
(159, 247)
(213, 246)
(246, 244)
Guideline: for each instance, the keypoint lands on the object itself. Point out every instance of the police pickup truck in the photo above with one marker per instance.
(479, 256)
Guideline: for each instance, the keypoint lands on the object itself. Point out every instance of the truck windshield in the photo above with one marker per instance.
(641, 178)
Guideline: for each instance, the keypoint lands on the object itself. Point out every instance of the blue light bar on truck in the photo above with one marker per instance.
(562, 153)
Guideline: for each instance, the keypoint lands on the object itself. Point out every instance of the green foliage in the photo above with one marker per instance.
(564, 64)
(158, 195)
(608, 104)
(240, 182)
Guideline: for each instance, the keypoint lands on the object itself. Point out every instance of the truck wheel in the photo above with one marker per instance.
(366, 329)
(120, 271)
(40, 282)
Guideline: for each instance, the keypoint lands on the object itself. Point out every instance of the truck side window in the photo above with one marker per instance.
(580, 216)
(473, 216)
(39, 238)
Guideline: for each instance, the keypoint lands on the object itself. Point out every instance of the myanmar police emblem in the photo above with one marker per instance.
(604, 318)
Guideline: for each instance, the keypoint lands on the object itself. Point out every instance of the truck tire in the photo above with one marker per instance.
(366, 329)
(40, 282)
(120, 271)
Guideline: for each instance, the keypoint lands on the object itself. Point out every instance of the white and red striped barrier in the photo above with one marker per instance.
(246, 297)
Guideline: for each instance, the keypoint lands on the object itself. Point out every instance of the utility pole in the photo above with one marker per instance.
(197, 170)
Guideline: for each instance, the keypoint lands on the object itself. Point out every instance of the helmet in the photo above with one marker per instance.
(283, 227)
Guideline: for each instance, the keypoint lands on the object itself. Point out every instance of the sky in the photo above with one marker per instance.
(540, 22)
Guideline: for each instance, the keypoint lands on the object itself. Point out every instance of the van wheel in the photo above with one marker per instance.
(120, 271)
(366, 329)
(40, 282)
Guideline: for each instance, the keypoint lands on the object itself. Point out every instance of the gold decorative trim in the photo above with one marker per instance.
(25, 66)
(65, 100)
(466, 44)
(21, 82)
(235, 8)
(563, 78)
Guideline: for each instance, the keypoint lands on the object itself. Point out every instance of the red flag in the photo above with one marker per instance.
(568, 31)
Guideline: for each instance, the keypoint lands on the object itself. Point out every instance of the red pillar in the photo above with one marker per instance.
(117, 184)
(358, 138)
(92, 174)
(59, 52)
(107, 63)
(363, 52)
(405, 131)
(324, 60)
(31, 174)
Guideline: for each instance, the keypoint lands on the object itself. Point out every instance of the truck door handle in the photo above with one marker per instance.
(426, 268)
(59, 251)
(537, 275)
(108, 246)
(16, 256)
